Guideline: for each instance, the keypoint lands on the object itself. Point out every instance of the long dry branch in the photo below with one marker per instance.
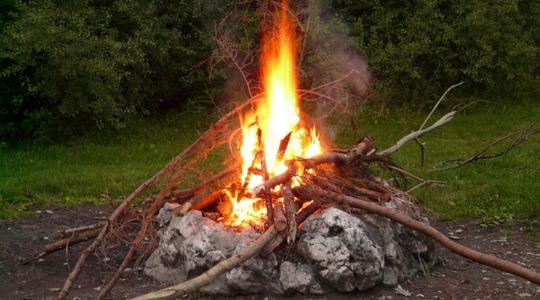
(312, 192)
(74, 238)
(416, 134)
(207, 277)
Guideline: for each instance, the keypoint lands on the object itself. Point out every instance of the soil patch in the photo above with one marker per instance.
(452, 277)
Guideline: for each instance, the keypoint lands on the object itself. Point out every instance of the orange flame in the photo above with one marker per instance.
(276, 117)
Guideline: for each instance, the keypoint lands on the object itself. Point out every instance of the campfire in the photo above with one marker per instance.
(285, 188)
(273, 135)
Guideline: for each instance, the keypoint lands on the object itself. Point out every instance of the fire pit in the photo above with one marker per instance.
(281, 155)
(334, 251)
(290, 213)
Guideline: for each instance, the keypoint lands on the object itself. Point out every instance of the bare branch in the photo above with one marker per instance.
(519, 137)
(437, 104)
(416, 134)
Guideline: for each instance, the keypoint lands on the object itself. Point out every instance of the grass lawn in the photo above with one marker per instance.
(502, 189)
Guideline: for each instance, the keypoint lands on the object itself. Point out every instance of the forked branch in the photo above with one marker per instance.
(416, 134)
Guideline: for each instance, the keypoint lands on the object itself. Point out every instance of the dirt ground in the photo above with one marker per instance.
(452, 278)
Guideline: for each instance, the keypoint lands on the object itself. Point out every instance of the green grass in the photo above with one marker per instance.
(114, 163)
(503, 189)
(81, 170)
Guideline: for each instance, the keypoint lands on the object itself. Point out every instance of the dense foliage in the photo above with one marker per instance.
(70, 65)
(417, 47)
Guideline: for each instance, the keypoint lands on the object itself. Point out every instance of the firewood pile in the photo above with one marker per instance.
(339, 178)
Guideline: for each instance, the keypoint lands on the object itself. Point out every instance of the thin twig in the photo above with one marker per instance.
(437, 105)
(419, 179)
(520, 137)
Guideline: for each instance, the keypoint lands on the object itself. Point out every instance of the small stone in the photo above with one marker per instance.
(54, 289)
(524, 295)
(49, 211)
(401, 291)
(295, 278)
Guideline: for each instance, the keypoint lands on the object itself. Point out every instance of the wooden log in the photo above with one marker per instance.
(211, 215)
(199, 202)
(280, 221)
(192, 285)
(266, 193)
(184, 209)
(416, 134)
(288, 201)
(283, 145)
(274, 181)
(316, 193)
(300, 217)
(346, 184)
(204, 202)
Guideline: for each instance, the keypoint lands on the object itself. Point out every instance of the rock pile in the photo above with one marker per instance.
(334, 250)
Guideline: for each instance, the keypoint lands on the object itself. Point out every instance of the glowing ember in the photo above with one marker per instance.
(272, 121)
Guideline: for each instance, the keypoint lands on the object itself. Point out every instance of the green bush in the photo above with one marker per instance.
(66, 66)
(69, 65)
(416, 48)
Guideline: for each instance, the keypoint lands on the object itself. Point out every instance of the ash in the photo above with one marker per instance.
(334, 251)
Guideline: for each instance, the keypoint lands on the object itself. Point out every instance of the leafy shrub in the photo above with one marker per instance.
(67, 65)
(419, 47)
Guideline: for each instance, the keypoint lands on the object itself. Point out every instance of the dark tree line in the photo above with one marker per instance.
(66, 66)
